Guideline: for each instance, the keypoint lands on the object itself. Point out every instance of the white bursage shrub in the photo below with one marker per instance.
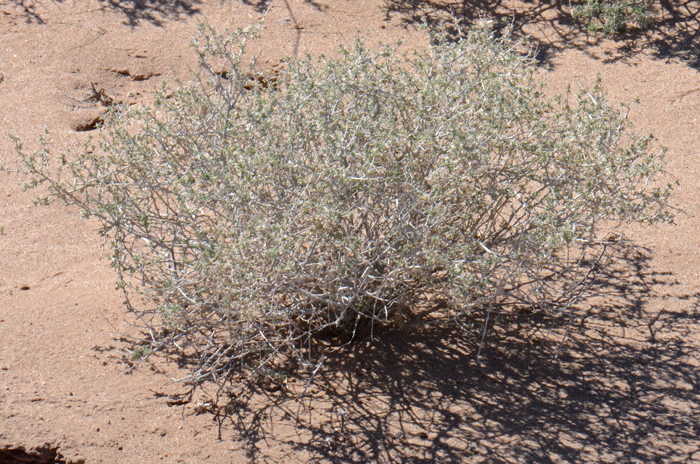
(255, 214)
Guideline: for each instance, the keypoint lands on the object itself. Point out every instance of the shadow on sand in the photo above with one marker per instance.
(156, 12)
(675, 32)
(624, 388)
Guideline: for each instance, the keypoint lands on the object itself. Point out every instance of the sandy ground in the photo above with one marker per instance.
(626, 387)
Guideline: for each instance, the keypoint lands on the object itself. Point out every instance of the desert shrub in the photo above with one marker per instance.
(264, 219)
(613, 16)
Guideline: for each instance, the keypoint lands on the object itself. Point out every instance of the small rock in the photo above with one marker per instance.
(135, 74)
(142, 75)
(85, 120)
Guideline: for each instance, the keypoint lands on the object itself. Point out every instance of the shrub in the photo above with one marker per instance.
(613, 16)
(263, 220)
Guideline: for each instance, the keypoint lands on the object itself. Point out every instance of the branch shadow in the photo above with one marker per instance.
(679, 33)
(155, 12)
(624, 387)
(552, 28)
(30, 11)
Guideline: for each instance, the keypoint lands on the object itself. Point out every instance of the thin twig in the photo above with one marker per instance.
(313, 374)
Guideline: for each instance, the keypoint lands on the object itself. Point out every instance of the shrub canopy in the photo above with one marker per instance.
(346, 193)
